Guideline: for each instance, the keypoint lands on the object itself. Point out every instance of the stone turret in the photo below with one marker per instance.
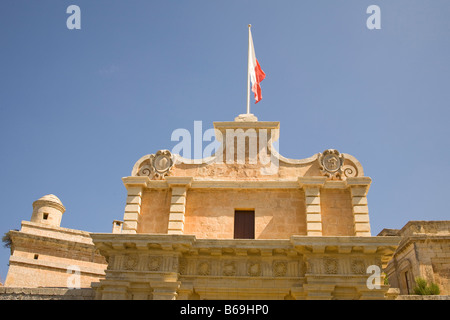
(48, 210)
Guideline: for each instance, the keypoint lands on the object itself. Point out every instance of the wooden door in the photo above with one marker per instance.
(244, 224)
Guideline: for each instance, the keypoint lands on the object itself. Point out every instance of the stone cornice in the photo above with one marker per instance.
(410, 240)
(247, 125)
(195, 183)
(108, 243)
(135, 181)
(345, 244)
(179, 181)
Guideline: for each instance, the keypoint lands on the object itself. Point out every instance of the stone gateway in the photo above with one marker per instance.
(220, 228)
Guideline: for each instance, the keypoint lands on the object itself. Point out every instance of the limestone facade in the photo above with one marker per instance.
(311, 237)
(309, 220)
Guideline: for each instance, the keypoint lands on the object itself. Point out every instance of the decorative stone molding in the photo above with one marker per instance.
(338, 166)
(349, 171)
(155, 166)
(330, 265)
(203, 268)
(131, 262)
(229, 268)
(331, 162)
(254, 268)
(279, 268)
(358, 266)
(154, 263)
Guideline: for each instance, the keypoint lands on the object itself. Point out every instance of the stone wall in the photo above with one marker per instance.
(336, 210)
(423, 252)
(17, 293)
(279, 213)
(155, 211)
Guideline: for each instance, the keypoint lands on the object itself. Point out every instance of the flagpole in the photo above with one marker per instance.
(248, 72)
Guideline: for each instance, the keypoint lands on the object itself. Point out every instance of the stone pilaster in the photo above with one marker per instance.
(359, 186)
(319, 291)
(135, 187)
(114, 290)
(374, 294)
(140, 291)
(179, 187)
(165, 290)
(311, 187)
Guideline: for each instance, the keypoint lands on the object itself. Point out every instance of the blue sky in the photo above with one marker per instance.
(79, 107)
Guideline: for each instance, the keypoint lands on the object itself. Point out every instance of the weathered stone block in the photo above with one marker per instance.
(313, 208)
(361, 218)
(176, 225)
(134, 199)
(361, 209)
(179, 191)
(312, 191)
(358, 191)
(130, 225)
(131, 216)
(312, 200)
(314, 226)
(132, 208)
(177, 217)
(359, 200)
(313, 217)
(177, 208)
(362, 227)
(134, 191)
(178, 199)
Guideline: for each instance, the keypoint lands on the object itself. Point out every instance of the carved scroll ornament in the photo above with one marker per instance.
(157, 165)
(331, 164)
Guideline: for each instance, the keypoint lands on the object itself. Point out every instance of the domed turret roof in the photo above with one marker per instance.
(49, 200)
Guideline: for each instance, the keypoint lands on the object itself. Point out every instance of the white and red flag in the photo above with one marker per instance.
(256, 74)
